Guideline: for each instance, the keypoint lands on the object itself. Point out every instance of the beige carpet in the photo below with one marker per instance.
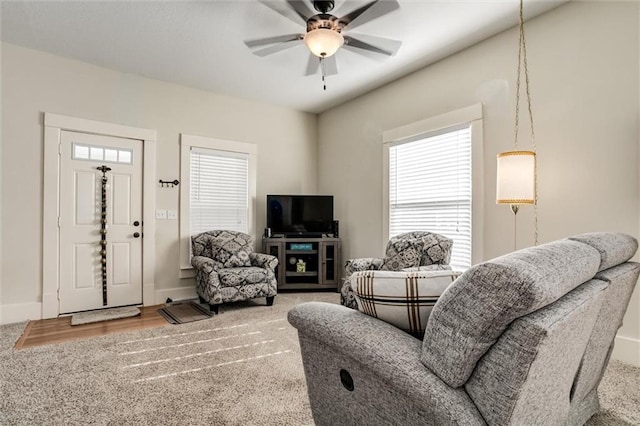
(241, 367)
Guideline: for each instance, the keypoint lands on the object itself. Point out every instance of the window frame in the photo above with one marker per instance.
(471, 115)
(187, 142)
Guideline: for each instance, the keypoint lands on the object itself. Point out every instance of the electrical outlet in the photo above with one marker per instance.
(161, 214)
(172, 214)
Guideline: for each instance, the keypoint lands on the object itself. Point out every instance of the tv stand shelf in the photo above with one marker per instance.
(302, 274)
(321, 258)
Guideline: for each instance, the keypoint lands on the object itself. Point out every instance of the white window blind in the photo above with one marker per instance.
(219, 197)
(430, 189)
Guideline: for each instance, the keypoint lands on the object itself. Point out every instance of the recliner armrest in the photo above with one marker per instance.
(388, 353)
(265, 261)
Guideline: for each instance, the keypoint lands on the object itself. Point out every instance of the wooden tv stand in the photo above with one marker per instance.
(320, 255)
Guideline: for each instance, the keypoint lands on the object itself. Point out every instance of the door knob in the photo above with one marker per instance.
(136, 235)
(136, 223)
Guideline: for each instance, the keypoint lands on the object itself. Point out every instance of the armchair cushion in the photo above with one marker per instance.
(425, 268)
(418, 248)
(362, 264)
(403, 299)
(232, 277)
(231, 250)
(403, 255)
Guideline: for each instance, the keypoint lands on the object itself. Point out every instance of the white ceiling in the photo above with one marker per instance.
(200, 44)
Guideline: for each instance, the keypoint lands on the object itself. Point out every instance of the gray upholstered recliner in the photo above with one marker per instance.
(417, 250)
(228, 270)
(521, 339)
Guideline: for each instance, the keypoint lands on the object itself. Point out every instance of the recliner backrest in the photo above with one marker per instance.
(478, 307)
(621, 281)
(615, 249)
(473, 313)
(527, 375)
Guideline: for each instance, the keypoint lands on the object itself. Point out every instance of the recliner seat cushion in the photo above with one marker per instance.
(232, 277)
(474, 311)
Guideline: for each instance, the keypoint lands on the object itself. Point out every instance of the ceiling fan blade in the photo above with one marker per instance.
(381, 45)
(331, 65)
(374, 10)
(276, 48)
(301, 8)
(313, 65)
(273, 40)
(283, 9)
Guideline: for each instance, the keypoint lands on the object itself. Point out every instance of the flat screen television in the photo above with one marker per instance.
(300, 215)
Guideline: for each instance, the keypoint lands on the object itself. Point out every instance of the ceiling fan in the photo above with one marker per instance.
(325, 33)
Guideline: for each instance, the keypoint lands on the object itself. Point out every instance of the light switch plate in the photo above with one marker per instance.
(172, 214)
(161, 214)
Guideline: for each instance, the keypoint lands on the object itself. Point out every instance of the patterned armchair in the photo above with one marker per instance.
(228, 270)
(411, 251)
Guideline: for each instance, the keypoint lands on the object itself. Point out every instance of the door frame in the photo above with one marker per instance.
(54, 124)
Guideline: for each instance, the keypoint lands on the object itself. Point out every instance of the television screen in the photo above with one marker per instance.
(300, 214)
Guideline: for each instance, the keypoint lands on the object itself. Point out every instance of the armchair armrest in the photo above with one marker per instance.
(362, 264)
(207, 280)
(265, 261)
(204, 264)
(387, 353)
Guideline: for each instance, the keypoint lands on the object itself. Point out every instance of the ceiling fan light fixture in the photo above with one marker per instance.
(323, 42)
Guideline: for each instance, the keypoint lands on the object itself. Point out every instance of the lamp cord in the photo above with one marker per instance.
(515, 230)
(522, 61)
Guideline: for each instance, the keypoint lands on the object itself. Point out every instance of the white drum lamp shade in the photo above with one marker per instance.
(516, 178)
(323, 42)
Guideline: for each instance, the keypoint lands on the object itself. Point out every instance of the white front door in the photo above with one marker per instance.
(81, 266)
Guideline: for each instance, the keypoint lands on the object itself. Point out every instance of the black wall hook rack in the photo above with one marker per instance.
(169, 183)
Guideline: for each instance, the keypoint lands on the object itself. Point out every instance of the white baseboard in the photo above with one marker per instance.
(627, 350)
(20, 312)
(175, 294)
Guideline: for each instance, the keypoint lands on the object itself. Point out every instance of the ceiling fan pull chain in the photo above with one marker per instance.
(323, 68)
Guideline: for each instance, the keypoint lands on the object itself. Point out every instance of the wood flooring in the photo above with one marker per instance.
(57, 330)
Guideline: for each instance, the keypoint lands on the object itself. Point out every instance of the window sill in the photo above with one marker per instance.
(187, 273)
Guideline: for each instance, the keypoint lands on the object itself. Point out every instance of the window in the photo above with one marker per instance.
(102, 154)
(430, 189)
(429, 185)
(219, 194)
(218, 188)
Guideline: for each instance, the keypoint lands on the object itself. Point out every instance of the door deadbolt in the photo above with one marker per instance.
(136, 223)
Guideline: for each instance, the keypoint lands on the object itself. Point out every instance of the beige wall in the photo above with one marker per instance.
(583, 62)
(34, 82)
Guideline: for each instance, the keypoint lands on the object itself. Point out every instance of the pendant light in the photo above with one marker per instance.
(516, 178)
